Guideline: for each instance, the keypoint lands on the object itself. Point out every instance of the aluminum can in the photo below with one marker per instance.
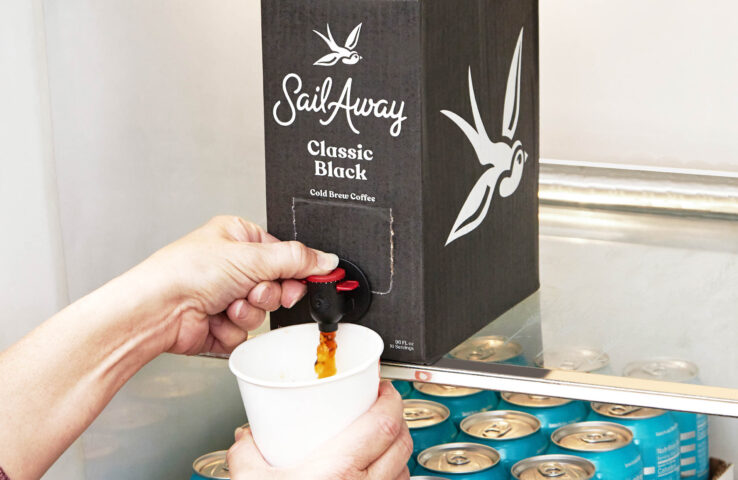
(515, 435)
(461, 461)
(461, 401)
(694, 454)
(558, 467)
(429, 423)
(609, 446)
(211, 466)
(655, 432)
(694, 440)
(576, 359)
(411, 464)
(403, 388)
(490, 349)
(552, 412)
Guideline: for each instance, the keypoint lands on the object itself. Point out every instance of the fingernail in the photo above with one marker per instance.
(239, 309)
(261, 296)
(293, 302)
(237, 434)
(327, 261)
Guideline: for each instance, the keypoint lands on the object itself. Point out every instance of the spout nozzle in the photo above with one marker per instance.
(343, 294)
(327, 327)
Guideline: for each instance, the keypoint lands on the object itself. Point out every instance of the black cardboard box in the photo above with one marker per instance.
(403, 136)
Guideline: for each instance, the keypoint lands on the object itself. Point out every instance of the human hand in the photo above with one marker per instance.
(376, 446)
(219, 281)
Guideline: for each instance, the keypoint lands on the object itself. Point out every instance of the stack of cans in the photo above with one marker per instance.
(467, 461)
(429, 423)
(621, 442)
(559, 467)
(514, 435)
(462, 433)
(461, 401)
(552, 412)
(693, 430)
(655, 432)
(607, 445)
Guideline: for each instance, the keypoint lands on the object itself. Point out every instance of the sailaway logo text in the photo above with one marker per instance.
(322, 100)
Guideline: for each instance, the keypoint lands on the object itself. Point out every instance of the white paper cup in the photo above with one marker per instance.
(291, 412)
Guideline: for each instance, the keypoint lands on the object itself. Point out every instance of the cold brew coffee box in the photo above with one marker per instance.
(402, 135)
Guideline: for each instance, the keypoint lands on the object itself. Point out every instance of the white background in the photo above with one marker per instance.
(124, 124)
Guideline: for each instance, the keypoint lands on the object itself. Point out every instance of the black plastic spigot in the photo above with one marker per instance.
(343, 294)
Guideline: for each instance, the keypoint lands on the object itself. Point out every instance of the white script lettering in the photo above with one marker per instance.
(295, 100)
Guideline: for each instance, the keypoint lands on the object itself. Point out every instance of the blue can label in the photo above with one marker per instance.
(695, 458)
(667, 457)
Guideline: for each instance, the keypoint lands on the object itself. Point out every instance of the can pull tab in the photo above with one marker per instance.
(551, 470)
(569, 365)
(599, 437)
(482, 353)
(343, 294)
(413, 414)
(457, 458)
(497, 430)
(539, 397)
(622, 410)
(655, 370)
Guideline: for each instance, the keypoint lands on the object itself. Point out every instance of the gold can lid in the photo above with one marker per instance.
(665, 369)
(626, 411)
(500, 425)
(436, 390)
(458, 458)
(559, 467)
(533, 401)
(592, 436)
(489, 349)
(212, 465)
(423, 413)
(578, 359)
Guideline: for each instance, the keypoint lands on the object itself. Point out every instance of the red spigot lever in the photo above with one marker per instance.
(332, 297)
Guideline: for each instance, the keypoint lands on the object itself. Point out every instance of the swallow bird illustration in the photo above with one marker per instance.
(505, 159)
(347, 54)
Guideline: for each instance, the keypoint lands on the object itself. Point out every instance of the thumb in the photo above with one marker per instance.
(284, 260)
(244, 455)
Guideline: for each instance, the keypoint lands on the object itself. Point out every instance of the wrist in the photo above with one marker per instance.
(152, 305)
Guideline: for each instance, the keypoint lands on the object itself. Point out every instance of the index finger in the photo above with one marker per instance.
(373, 433)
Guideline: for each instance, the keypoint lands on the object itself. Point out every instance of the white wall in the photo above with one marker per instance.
(32, 282)
(648, 82)
(157, 124)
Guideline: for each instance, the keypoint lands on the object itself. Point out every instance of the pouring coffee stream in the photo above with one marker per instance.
(343, 294)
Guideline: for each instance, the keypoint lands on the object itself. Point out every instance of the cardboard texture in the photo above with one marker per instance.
(403, 136)
(721, 470)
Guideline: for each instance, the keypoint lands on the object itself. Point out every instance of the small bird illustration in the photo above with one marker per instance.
(347, 54)
(505, 160)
